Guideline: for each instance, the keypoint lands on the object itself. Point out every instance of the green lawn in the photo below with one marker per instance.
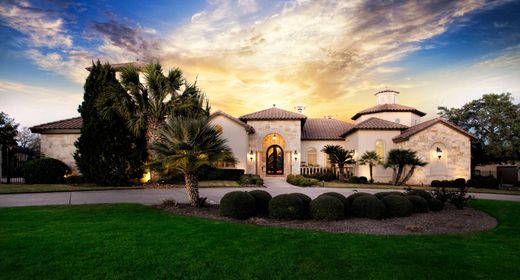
(133, 241)
(28, 188)
(337, 184)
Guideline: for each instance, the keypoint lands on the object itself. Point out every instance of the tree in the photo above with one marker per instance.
(107, 152)
(188, 144)
(398, 160)
(145, 106)
(8, 130)
(494, 120)
(28, 140)
(372, 159)
(339, 156)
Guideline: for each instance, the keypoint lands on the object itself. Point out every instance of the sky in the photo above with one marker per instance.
(246, 55)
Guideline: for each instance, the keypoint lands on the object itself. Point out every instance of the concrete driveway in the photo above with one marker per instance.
(274, 186)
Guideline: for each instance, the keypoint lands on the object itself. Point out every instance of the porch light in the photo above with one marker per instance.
(251, 155)
(295, 155)
(439, 152)
(274, 136)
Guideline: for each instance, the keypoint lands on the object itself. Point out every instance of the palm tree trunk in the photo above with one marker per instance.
(408, 176)
(341, 172)
(192, 189)
(371, 177)
(398, 175)
(153, 135)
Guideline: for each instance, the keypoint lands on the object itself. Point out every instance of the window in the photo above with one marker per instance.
(218, 128)
(380, 148)
(312, 159)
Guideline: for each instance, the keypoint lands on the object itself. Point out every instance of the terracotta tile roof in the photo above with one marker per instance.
(273, 114)
(68, 124)
(375, 124)
(249, 128)
(119, 66)
(388, 108)
(324, 129)
(405, 135)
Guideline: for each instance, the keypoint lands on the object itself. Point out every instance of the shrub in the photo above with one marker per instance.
(381, 195)
(305, 199)
(424, 194)
(323, 176)
(420, 205)
(250, 179)
(435, 205)
(221, 174)
(446, 184)
(327, 207)
(76, 180)
(45, 171)
(353, 180)
(436, 184)
(397, 206)
(238, 205)
(368, 206)
(363, 180)
(299, 180)
(472, 183)
(352, 197)
(459, 183)
(339, 196)
(488, 182)
(262, 199)
(286, 207)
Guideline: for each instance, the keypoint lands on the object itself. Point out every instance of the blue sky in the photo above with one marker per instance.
(246, 54)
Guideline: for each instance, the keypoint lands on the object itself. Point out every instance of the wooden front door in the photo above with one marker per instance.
(274, 160)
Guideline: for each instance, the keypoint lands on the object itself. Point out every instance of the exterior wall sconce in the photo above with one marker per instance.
(295, 155)
(439, 152)
(251, 155)
(274, 137)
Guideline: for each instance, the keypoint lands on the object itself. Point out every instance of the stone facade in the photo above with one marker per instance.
(455, 161)
(60, 146)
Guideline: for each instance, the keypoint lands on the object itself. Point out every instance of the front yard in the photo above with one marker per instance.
(134, 241)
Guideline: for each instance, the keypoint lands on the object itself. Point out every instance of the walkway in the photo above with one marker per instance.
(274, 186)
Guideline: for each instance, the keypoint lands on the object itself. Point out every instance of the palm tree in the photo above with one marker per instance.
(189, 143)
(339, 156)
(372, 159)
(398, 160)
(145, 106)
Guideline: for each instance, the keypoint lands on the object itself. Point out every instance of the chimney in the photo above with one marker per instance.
(300, 109)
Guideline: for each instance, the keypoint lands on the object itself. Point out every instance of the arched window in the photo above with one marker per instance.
(380, 148)
(312, 157)
(219, 128)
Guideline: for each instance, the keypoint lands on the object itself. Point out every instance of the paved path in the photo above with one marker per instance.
(274, 186)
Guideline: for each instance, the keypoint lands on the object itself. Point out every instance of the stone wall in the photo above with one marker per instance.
(455, 161)
(60, 146)
(289, 130)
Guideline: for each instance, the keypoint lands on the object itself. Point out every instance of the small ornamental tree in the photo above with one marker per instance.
(339, 156)
(370, 158)
(399, 160)
(107, 152)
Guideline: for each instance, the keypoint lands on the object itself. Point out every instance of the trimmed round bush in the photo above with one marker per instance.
(472, 183)
(420, 205)
(435, 205)
(262, 199)
(424, 194)
(381, 195)
(363, 180)
(352, 197)
(436, 184)
(306, 201)
(45, 171)
(397, 206)
(353, 180)
(446, 184)
(286, 207)
(327, 207)
(459, 183)
(238, 205)
(368, 206)
(339, 196)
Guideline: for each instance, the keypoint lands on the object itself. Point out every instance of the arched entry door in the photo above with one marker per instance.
(274, 157)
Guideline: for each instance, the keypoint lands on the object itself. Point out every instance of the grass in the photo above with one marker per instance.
(337, 184)
(133, 241)
(36, 188)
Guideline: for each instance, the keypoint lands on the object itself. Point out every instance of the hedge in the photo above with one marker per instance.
(300, 180)
(262, 199)
(45, 171)
(306, 201)
(221, 174)
(327, 207)
(420, 205)
(238, 205)
(397, 206)
(368, 206)
(286, 207)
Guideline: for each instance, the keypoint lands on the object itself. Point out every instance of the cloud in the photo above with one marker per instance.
(320, 53)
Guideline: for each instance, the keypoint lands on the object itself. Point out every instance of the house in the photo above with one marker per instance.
(278, 142)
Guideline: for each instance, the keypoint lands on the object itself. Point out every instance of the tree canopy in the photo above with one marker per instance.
(8, 130)
(494, 120)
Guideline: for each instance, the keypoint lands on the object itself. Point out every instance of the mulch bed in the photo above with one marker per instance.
(449, 220)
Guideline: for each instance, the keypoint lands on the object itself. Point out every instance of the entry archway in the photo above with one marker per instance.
(274, 160)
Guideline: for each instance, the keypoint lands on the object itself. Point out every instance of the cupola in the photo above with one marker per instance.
(386, 96)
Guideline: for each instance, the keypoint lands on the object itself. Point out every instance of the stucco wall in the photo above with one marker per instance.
(456, 154)
(321, 157)
(365, 140)
(406, 118)
(237, 139)
(60, 146)
(290, 131)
